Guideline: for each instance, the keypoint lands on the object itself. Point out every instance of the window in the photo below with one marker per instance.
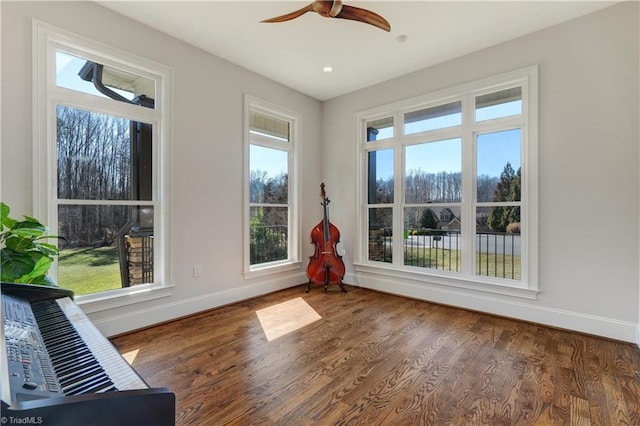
(450, 190)
(99, 158)
(271, 208)
(432, 118)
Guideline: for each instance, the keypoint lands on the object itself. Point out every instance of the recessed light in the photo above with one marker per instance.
(327, 69)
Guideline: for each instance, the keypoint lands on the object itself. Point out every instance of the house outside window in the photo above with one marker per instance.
(449, 183)
(101, 125)
(271, 212)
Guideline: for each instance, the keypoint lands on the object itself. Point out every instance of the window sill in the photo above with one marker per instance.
(97, 302)
(450, 280)
(272, 269)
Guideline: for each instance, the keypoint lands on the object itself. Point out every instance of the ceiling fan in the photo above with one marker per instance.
(335, 9)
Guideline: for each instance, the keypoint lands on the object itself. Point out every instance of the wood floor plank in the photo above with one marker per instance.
(379, 359)
(580, 412)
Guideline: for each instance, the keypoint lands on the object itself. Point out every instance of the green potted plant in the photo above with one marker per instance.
(24, 253)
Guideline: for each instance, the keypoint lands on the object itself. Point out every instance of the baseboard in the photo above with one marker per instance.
(504, 306)
(584, 323)
(139, 318)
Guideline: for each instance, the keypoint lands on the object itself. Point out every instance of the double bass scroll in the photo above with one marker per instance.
(325, 266)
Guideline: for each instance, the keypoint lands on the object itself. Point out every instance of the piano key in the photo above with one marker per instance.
(62, 317)
(86, 385)
(73, 369)
(81, 375)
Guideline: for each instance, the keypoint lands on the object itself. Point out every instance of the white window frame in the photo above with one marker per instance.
(292, 147)
(527, 286)
(46, 96)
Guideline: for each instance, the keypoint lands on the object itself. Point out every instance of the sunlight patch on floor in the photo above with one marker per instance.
(285, 317)
(130, 356)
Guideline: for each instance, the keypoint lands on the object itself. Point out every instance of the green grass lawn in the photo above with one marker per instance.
(491, 265)
(447, 260)
(500, 266)
(89, 270)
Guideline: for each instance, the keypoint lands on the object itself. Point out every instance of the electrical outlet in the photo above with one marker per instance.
(197, 271)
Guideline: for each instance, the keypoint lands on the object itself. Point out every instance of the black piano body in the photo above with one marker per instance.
(59, 370)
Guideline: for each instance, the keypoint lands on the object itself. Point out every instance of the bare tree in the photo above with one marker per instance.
(93, 163)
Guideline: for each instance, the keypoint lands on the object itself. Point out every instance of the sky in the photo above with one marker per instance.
(272, 161)
(67, 68)
(494, 150)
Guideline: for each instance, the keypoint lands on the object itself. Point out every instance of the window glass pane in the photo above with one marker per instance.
(380, 179)
(380, 129)
(95, 160)
(498, 242)
(104, 247)
(269, 126)
(270, 204)
(499, 104)
(432, 237)
(433, 118)
(498, 166)
(76, 73)
(268, 234)
(381, 234)
(268, 180)
(433, 172)
(432, 217)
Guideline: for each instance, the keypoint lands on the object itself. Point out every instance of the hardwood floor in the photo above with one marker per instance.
(375, 358)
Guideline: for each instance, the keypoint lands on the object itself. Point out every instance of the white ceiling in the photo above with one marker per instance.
(294, 52)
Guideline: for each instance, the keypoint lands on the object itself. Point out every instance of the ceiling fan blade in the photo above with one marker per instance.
(292, 15)
(363, 15)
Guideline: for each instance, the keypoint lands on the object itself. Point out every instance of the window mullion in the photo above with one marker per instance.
(468, 226)
(92, 103)
(398, 189)
(398, 200)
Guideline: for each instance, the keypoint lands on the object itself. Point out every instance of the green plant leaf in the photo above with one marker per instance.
(18, 243)
(14, 264)
(35, 276)
(36, 255)
(40, 279)
(24, 258)
(4, 216)
(47, 249)
(4, 211)
(29, 229)
(42, 266)
(33, 219)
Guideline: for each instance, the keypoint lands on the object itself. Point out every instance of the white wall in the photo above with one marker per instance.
(206, 154)
(588, 142)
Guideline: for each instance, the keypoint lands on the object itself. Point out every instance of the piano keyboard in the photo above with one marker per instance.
(83, 359)
(57, 369)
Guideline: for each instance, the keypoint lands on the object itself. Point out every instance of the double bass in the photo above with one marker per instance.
(325, 266)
